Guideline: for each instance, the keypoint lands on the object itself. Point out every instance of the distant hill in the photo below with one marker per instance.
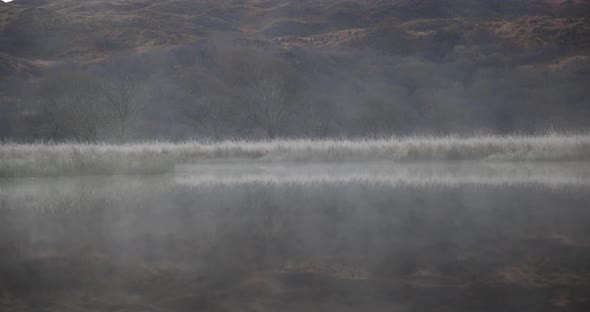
(69, 29)
(269, 68)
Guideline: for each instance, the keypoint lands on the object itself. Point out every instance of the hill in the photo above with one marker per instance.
(65, 29)
(368, 67)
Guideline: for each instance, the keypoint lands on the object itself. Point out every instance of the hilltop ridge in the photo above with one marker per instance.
(64, 29)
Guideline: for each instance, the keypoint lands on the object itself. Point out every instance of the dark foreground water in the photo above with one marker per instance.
(301, 237)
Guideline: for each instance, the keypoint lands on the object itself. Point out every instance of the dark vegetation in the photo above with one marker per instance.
(118, 70)
(150, 245)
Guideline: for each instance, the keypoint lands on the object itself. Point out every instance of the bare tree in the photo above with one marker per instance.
(121, 96)
(268, 106)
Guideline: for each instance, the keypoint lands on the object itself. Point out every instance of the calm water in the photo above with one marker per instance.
(238, 236)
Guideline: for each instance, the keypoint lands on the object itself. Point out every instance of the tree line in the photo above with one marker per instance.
(224, 90)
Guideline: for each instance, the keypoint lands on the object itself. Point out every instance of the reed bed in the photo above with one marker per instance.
(68, 159)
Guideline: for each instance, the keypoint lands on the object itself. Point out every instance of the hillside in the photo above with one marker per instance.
(63, 29)
(341, 67)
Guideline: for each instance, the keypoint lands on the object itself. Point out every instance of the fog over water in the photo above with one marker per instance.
(294, 155)
(236, 235)
(424, 174)
(211, 173)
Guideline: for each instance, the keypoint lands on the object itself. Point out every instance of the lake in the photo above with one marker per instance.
(287, 236)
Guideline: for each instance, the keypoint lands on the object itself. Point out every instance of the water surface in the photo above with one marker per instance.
(252, 236)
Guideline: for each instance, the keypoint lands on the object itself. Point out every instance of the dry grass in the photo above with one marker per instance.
(29, 160)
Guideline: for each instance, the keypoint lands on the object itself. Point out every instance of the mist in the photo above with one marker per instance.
(446, 72)
(282, 155)
(350, 243)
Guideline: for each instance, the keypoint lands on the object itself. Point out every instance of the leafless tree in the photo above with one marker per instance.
(123, 105)
(268, 106)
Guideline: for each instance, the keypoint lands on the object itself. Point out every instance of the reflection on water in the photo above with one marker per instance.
(550, 175)
(460, 173)
(301, 237)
